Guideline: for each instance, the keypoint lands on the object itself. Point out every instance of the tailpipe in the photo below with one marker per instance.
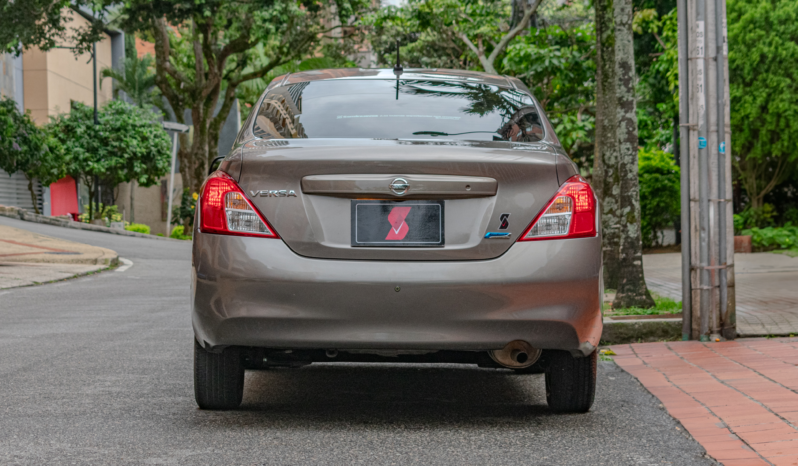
(517, 354)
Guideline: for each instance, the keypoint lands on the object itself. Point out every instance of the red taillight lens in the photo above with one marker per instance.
(570, 214)
(225, 210)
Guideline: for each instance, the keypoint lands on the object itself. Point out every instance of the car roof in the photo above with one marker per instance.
(388, 74)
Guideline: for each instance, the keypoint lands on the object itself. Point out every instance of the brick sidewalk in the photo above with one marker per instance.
(738, 399)
(767, 298)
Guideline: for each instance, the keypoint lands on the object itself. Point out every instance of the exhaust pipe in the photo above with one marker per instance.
(517, 354)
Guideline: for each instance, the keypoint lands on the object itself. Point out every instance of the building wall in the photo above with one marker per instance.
(55, 78)
(149, 204)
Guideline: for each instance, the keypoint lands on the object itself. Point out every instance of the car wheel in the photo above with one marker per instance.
(570, 382)
(218, 378)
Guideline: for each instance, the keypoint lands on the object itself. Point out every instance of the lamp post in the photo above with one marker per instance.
(174, 128)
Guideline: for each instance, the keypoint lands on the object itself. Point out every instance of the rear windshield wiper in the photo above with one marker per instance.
(439, 133)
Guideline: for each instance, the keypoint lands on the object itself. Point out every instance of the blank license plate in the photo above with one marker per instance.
(397, 224)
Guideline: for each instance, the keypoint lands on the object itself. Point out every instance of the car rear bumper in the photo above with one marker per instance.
(257, 292)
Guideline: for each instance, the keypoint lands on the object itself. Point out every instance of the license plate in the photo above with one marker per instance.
(397, 223)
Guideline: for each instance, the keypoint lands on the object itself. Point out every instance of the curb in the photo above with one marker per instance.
(22, 214)
(634, 331)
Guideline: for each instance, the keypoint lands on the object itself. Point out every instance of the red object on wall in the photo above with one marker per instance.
(63, 197)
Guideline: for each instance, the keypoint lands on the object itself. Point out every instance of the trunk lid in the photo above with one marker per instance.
(306, 187)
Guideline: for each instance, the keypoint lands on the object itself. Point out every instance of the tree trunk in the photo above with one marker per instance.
(631, 284)
(615, 166)
(605, 174)
(33, 195)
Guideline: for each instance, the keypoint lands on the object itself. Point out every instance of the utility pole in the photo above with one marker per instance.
(707, 255)
(96, 118)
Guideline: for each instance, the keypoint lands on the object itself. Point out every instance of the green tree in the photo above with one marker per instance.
(451, 29)
(204, 50)
(660, 204)
(615, 176)
(136, 78)
(44, 24)
(127, 144)
(763, 81)
(558, 66)
(29, 149)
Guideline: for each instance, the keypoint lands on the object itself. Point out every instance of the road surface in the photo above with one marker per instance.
(98, 370)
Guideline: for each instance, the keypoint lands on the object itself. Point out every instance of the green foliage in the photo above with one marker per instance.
(43, 24)
(662, 305)
(657, 88)
(659, 193)
(184, 213)
(462, 34)
(791, 215)
(177, 233)
(138, 228)
(558, 66)
(136, 78)
(127, 144)
(109, 213)
(206, 49)
(755, 217)
(773, 238)
(763, 80)
(27, 148)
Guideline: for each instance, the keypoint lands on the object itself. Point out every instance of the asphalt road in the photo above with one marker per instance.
(98, 370)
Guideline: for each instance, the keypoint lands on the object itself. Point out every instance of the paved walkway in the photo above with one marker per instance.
(739, 399)
(28, 258)
(766, 289)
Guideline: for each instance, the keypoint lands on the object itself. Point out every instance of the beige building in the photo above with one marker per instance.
(53, 79)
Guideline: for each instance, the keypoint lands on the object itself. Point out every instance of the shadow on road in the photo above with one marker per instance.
(420, 395)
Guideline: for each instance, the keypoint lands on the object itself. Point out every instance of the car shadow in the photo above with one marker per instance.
(411, 394)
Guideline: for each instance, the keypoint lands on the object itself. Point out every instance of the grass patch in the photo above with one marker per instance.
(662, 305)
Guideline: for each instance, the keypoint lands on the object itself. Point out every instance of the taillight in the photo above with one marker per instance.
(571, 214)
(225, 210)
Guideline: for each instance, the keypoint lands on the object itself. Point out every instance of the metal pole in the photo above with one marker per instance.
(720, 34)
(171, 186)
(703, 172)
(96, 118)
(684, 165)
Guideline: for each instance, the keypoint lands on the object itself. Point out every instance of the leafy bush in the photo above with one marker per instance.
(138, 228)
(109, 213)
(761, 217)
(659, 193)
(773, 238)
(177, 233)
(184, 213)
(791, 215)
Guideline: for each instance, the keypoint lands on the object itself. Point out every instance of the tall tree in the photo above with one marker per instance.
(616, 165)
(127, 144)
(763, 82)
(481, 29)
(46, 24)
(136, 78)
(27, 148)
(204, 50)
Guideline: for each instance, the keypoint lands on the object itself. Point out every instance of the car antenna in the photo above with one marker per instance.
(397, 69)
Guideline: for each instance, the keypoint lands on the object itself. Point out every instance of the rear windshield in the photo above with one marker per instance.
(407, 109)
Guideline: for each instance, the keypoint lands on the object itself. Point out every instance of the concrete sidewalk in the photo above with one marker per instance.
(28, 258)
(739, 399)
(766, 289)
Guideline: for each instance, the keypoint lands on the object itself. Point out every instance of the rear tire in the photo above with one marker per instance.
(218, 378)
(570, 382)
